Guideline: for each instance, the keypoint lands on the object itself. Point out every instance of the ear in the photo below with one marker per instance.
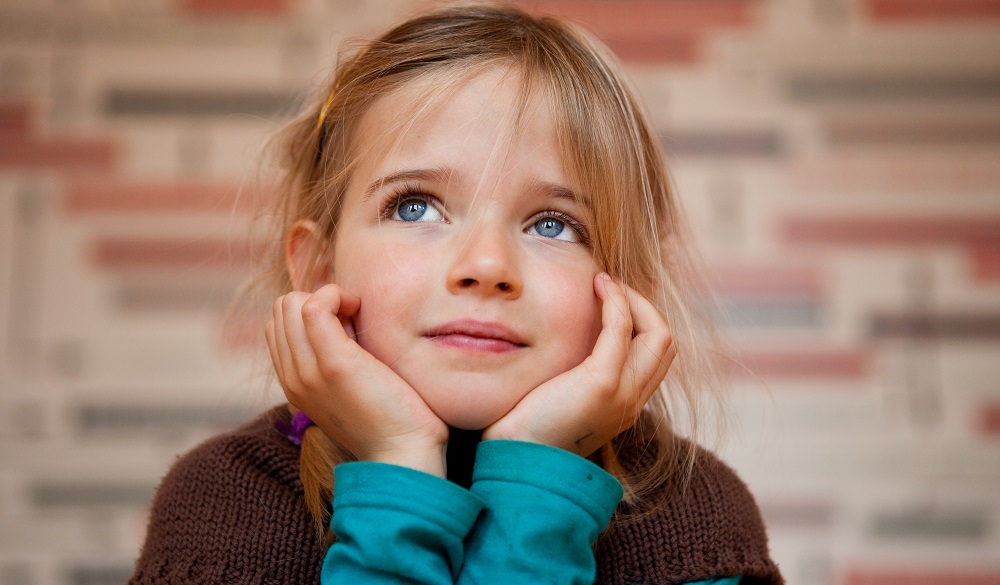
(306, 255)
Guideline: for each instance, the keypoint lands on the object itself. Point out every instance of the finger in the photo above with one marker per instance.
(282, 354)
(349, 307)
(349, 303)
(328, 327)
(301, 360)
(272, 349)
(611, 348)
(652, 349)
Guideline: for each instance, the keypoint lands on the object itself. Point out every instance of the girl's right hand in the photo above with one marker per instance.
(355, 399)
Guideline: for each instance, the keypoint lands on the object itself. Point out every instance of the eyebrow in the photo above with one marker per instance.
(439, 174)
(431, 175)
(560, 192)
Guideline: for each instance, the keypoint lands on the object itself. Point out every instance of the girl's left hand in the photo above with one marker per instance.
(585, 407)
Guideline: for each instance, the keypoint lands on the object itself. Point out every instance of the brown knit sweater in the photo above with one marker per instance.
(232, 511)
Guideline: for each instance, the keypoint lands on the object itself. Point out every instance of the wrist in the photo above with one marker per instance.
(584, 444)
(428, 459)
(508, 432)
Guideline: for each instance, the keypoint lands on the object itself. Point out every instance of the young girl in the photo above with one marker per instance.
(484, 313)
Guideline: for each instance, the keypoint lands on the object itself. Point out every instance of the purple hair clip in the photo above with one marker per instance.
(293, 431)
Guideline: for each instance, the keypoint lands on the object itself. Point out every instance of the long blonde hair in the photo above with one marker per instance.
(607, 142)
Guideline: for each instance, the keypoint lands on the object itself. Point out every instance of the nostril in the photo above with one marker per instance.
(503, 286)
(467, 282)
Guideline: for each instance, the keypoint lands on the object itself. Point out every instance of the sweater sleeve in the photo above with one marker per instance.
(544, 509)
(397, 525)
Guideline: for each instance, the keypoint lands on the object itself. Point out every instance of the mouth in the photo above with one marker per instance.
(474, 335)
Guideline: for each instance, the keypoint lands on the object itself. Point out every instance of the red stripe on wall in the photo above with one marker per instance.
(236, 7)
(93, 197)
(677, 49)
(892, 231)
(851, 364)
(913, 577)
(138, 254)
(922, 10)
(988, 420)
(770, 280)
(985, 262)
(63, 154)
(648, 18)
(651, 30)
(15, 119)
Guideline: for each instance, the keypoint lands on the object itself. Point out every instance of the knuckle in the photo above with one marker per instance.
(606, 385)
(312, 310)
(289, 301)
(292, 389)
(311, 380)
(336, 365)
(328, 369)
(661, 344)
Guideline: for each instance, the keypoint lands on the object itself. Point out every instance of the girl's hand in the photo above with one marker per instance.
(354, 398)
(585, 407)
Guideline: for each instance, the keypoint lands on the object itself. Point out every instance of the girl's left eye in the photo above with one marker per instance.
(556, 228)
(414, 209)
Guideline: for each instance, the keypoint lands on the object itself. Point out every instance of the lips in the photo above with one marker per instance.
(477, 335)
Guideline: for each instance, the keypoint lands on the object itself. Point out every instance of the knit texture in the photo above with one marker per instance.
(232, 511)
(709, 527)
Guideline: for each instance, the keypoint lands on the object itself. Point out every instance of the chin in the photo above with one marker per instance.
(467, 415)
(470, 405)
(470, 401)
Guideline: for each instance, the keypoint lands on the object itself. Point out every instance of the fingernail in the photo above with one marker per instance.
(605, 276)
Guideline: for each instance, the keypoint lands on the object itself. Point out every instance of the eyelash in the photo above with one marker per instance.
(569, 220)
(407, 191)
(400, 194)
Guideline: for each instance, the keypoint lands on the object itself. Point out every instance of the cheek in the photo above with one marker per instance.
(575, 317)
(389, 286)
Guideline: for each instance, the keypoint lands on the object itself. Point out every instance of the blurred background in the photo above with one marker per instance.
(840, 160)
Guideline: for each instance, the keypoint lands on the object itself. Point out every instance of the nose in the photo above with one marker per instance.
(486, 264)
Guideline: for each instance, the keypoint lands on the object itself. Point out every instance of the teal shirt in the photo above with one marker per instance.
(531, 516)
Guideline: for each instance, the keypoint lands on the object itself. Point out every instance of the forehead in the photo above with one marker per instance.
(481, 122)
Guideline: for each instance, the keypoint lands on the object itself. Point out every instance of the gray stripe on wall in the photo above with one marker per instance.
(721, 143)
(197, 103)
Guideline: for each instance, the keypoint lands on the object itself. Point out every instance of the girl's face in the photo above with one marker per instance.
(469, 253)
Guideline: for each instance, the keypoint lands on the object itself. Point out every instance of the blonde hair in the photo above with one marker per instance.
(607, 143)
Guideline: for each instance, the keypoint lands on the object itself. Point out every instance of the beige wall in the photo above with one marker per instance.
(839, 159)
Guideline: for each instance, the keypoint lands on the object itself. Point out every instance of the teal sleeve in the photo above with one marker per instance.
(718, 581)
(544, 509)
(396, 525)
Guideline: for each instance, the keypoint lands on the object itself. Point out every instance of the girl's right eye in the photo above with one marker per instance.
(410, 208)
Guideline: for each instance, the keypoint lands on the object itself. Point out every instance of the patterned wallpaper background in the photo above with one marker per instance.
(840, 160)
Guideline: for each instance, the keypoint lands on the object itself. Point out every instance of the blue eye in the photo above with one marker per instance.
(550, 226)
(411, 209)
(415, 209)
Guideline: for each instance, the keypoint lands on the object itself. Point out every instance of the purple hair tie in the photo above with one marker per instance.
(293, 431)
